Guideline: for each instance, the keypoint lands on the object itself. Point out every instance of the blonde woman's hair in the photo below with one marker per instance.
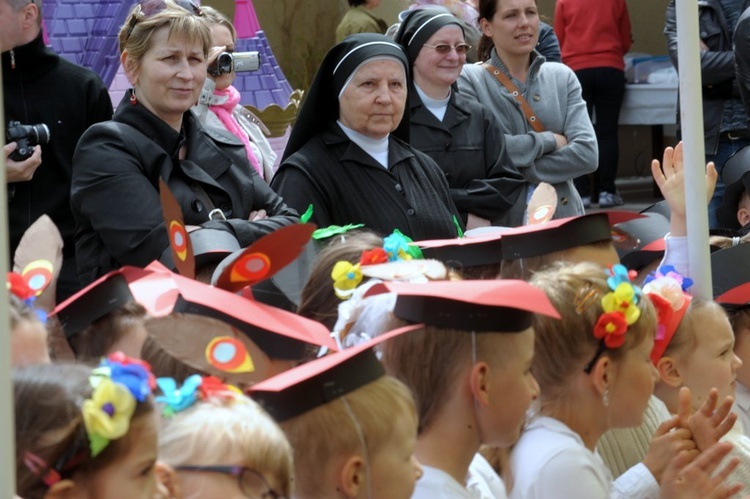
(136, 38)
(327, 433)
(230, 425)
(431, 360)
(563, 347)
(213, 16)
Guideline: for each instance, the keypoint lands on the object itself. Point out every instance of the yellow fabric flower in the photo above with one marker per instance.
(622, 299)
(346, 277)
(107, 413)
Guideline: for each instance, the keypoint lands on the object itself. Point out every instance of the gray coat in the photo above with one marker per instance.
(554, 93)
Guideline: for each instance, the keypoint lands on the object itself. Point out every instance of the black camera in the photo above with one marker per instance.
(25, 137)
(234, 62)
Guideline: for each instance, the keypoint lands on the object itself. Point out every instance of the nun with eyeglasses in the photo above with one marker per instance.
(349, 157)
(460, 134)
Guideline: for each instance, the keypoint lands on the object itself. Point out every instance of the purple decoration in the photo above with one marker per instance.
(108, 409)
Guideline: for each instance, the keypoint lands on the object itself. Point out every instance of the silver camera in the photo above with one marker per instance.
(234, 63)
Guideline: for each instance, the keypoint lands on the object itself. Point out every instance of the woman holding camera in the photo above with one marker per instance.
(219, 103)
(153, 136)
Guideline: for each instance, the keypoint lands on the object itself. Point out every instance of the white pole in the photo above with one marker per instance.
(691, 122)
(7, 424)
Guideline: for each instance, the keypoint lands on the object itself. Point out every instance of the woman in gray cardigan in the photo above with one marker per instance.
(566, 149)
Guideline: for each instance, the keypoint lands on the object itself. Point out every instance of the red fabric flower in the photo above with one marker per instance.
(17, 285)
(212, 386)
(123, 359)
(612, 327)
(664, 313)
(373, 256)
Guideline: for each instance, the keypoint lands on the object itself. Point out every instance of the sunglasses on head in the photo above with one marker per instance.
(148, 8)
(444, 48)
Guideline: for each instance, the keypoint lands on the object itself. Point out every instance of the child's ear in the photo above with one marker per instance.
(669, 372)
(64, 489)
(601, 374)
(353, 477)
(743, 216)
(166, 481)
(479, 383)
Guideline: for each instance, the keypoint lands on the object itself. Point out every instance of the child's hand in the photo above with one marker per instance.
(696, 480)
(668, 441)
(709, 423)
(670, 177)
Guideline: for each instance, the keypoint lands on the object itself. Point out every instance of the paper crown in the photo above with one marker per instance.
(468, 251)
(321, 381)
(666, 289)
(731, 276)
(481, 305)
(561, 234)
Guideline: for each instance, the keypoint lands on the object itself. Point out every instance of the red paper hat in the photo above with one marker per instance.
(561, 234)
(321, 381)
(464, 252)
(482, 305)
(280, 334)
(668, 322)
(731, 275)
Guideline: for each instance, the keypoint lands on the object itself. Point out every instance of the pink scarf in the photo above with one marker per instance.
(224, 113)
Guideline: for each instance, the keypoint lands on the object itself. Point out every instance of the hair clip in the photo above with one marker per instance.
(119, 383)
(40, 468)
(585, 297)
(619, 311)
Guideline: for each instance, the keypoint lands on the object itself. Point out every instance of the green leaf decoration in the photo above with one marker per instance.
(333, 230)
(458, 227)
(97, 443)
(307, 215)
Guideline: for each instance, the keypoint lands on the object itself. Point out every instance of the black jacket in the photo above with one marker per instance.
(115, 195)
(469, 147)
(742, 56)
(41, 87)
(717, 64)
(346, 185)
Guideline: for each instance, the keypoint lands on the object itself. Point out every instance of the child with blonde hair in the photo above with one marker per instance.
(84, 433)
(594, 372)
(353, 429)
(215, 442)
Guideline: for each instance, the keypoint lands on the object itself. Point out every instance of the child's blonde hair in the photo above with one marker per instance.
(327, 433)
(430, 360)
(684, 339)
(230, 425)
(563, 347)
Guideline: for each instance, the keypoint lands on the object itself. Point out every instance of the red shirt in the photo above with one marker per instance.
(593, 33)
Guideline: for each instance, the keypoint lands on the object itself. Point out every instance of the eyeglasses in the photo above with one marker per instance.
(444, 48)
(251, 483)
(152, 7)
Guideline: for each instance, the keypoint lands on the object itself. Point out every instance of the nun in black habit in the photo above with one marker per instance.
(458, 133)
(349, 154)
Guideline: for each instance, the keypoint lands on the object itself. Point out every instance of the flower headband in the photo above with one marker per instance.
(620, 310)
(119, 383)
(193, 389)
(666, 289)
(396, 247)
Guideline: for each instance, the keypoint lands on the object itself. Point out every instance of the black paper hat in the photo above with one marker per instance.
(465, 251)
(648, 234)
(736, 179)
(660, 207)
(730, 273)
(561, 234)
(471, 305)
(321, 381)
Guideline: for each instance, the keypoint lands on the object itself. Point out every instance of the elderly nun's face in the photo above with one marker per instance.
(373, 102)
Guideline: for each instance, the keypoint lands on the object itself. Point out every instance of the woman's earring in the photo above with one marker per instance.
(133, 100)
(605, 397)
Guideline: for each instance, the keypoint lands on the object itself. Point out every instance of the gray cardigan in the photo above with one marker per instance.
(554, 93)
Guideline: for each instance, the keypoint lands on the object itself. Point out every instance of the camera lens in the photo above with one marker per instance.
(42, 133)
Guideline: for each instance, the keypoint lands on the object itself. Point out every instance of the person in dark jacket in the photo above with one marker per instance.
(349, 155)
(724, 116)
(459, 134)
(41, 88)
(118, 164)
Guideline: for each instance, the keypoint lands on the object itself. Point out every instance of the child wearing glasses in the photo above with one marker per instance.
(459, 134)
(215, 442)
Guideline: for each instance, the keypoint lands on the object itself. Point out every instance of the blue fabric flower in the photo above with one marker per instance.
(178, 399)
(133, 376)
